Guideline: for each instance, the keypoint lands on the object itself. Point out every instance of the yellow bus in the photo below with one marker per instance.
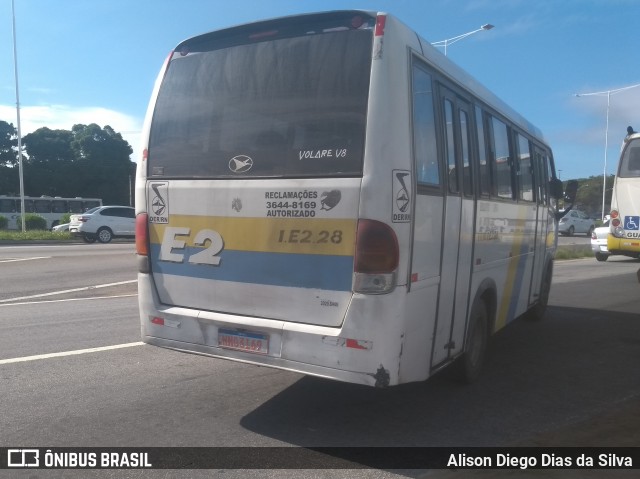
(624, 235)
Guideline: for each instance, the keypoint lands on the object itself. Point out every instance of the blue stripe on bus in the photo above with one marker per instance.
(276, 269)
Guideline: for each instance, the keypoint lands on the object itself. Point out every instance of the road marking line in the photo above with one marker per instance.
(13, 260)
(74, 290)
(70, 299)
(69, 353)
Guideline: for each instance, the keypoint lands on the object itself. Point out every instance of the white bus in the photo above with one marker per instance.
(50, 208)
(329, 194)
(624, 234)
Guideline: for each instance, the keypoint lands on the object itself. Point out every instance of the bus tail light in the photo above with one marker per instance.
(616, 228)
(142, 242)
(377, 258)
(615, 218)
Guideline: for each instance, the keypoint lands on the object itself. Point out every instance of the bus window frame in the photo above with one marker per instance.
(416, 62)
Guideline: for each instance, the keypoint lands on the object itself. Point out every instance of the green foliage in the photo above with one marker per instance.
(4, 222)
(589, 196)
(88, 161)
(8, 144)
(37, 235)
(574, 252)
(32, 222)
(65, 218)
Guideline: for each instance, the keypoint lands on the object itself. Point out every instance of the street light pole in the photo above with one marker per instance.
(15, 68)
(606, 133)
(449, 41)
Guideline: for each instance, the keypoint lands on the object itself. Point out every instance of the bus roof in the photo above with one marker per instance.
(437, 59)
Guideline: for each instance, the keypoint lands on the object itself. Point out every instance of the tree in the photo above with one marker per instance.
(9, 182)
(589, 196)
(87, 161)
(8, 144)
(48, 169)
(103, 160)
(45, 146)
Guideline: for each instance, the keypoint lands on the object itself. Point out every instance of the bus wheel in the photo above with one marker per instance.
(537, 312)
(470, 364)
(89, 238)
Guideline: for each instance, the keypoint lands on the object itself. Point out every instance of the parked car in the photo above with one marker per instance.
(104, 223)
(599, 242)
(60, 228)
(576, 221)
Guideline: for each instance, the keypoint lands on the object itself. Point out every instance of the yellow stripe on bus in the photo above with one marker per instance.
(516, 257)
(273, 235)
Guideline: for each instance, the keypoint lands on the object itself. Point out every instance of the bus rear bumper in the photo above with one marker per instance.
(320, 351)
(376, 379)
(623, 246)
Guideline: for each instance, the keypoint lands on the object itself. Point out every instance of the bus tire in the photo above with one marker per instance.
(476, 343)
(538, 310)
(89, 239)
(105, 235)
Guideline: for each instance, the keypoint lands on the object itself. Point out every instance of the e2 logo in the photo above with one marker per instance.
(171, 241)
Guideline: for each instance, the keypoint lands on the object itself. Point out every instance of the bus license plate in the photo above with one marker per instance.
(248, 341)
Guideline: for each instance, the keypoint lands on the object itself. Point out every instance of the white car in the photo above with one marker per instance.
(104, 223)
(599, 242)
(60, 228)
(576, 221)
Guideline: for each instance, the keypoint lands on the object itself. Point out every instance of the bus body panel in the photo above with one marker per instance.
(624, 238)
(372, 357)
(269, 292)
(50, 208)
(626, 200)
(270, 248)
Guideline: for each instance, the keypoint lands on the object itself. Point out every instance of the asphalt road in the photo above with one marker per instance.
(73, 373)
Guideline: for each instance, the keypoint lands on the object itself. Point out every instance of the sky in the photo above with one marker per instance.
(96, 61)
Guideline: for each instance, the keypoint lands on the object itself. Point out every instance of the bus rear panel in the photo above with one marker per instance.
(624, 236)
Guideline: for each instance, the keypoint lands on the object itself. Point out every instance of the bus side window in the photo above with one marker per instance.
(484, 172)
(7, 206)
(501, 161)
(451, 150)
(424, 130)
(541, 177)
(467, 185)
(523, 169)
(59, 206)
(42, 206)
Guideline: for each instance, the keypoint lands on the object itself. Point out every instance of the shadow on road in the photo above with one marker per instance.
(541, 377)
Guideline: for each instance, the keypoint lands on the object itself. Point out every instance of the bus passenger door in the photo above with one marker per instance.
(545, 214)
(457, 228)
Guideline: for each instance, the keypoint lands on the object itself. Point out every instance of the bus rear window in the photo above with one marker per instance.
(630, 162)
(283, 107)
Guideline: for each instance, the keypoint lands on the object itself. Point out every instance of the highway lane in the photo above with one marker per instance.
(38, 269)
(578, 363)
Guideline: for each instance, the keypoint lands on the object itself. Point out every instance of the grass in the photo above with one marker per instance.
(34, 235)
(574, 252)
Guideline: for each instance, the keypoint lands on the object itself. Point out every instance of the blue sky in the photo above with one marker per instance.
(95, 61)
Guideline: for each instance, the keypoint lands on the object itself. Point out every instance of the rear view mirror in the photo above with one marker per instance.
(555, 188)
(569, 196)
(570, 192)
